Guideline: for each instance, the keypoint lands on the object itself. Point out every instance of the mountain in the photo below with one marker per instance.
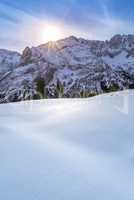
(8, 60)
(72, 67)
(68, 149)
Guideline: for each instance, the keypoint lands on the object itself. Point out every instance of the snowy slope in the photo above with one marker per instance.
(68, 149)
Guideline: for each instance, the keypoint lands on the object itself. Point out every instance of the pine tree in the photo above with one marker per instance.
(40, 87)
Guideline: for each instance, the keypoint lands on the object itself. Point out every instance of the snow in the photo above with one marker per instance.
(120, 60)
(69, 51)
(79, 65)
(8, 60)
(68, 149)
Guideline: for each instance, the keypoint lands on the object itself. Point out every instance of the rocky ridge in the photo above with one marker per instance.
(71, 67)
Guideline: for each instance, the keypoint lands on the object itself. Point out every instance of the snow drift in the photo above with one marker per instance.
(68, 149)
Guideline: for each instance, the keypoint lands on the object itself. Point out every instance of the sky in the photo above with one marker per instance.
(34, 22)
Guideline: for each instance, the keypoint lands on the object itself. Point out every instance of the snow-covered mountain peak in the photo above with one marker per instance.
(122, 42)
(80, 67)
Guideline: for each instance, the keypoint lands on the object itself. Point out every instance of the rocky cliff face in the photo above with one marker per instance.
(8, 60)
(70, 67)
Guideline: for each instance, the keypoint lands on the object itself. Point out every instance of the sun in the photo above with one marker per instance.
(51, 33)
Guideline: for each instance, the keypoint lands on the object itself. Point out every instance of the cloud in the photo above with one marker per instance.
(21, 29)
(105, 25)
(26, 29)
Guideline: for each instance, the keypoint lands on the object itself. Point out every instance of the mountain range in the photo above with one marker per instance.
(71, 67)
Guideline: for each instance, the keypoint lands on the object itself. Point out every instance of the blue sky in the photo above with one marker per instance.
(22, 22)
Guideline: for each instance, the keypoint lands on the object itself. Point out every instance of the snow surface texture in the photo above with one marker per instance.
(68, 149)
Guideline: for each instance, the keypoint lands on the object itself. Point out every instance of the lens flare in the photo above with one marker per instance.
(51, 33)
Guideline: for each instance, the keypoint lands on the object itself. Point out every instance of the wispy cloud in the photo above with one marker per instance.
(18, 28)
(21, 29)
(105, 25)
